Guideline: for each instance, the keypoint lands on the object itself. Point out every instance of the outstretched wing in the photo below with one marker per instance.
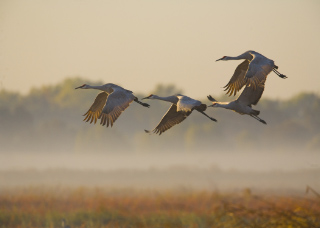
(117, 102)
(171, 118)
(258, 70)
(238, 79)
(95, 110)
(251, 95)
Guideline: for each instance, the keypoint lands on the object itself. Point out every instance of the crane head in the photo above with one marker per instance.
(84, 86)
(214, 104)
(223, 58)
(148, 97)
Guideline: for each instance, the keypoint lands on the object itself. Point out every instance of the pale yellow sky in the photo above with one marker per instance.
(141, 43)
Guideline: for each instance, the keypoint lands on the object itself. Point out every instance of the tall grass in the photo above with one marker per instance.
(84, 207)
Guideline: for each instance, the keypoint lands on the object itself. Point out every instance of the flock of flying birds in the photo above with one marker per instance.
(251, 73)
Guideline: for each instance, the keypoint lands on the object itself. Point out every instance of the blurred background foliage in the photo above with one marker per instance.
(50, 119)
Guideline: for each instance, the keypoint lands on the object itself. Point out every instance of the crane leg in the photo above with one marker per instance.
(278, 73)
(143, 104)
(213, 119)
(259, 119)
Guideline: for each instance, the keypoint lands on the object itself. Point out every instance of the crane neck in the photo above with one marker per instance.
(172, 99)
(245, 55)
(94, 87)
(225, 105)
(104, 88)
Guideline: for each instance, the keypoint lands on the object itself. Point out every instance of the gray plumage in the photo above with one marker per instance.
(243, 104)
(182, 106)
(109, 104)
(252, 72)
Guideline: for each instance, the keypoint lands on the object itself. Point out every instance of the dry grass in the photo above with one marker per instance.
(82, 207)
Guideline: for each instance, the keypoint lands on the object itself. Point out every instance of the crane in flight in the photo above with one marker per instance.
(252, 71)
(109, 104)
(181, 108)
(243, 104)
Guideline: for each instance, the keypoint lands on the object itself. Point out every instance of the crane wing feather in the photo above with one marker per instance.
(95, 110)
(251, 72)
(238, 79)
(251, 95)
(117, 102)
(258, 70)
(171, 118)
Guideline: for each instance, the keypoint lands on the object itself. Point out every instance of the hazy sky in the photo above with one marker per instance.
(141, 43)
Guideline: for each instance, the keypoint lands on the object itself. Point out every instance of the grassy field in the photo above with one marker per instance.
(97, 207)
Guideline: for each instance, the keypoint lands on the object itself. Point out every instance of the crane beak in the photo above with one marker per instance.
(78, 87)
(213, 104)
(219, 59)
(148, 97)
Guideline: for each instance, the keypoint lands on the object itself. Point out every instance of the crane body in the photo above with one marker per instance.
(182, 106)
(253, 71)
(109, 104)
(243, 104)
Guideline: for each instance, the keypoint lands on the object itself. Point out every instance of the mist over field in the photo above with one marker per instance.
(44, 141)
(58, 171)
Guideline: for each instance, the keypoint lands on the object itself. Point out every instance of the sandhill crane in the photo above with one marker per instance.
(109, 104)
(242, 105)
(252, 71)
(181, 108)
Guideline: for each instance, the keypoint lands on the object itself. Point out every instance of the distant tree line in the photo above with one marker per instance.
(49, 119)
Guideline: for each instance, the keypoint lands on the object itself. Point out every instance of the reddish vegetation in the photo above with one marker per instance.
(36, 207)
